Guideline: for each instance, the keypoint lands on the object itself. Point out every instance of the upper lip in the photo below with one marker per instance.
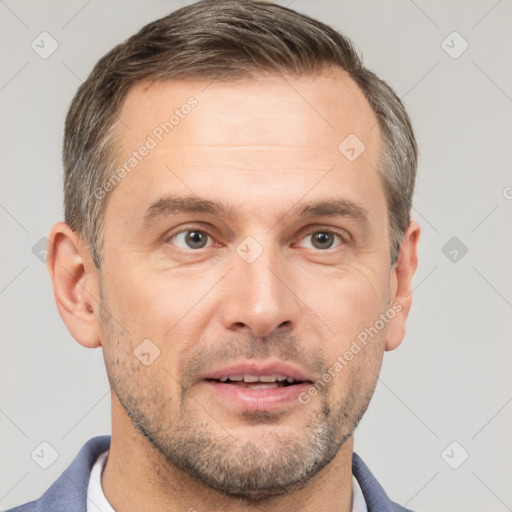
(258, 369)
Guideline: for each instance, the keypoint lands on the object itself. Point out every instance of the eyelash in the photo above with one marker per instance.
(344, 238)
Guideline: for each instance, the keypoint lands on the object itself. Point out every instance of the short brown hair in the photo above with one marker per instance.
(221, 39)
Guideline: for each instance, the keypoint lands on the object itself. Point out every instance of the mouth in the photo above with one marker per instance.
(258, 381)
(256, 387)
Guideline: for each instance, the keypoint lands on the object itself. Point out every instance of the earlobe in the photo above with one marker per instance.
(401, 285)
(75, 284)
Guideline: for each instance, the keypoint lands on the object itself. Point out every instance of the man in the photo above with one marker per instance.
(238, 241)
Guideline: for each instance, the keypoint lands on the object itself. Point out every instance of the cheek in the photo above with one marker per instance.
(355, 364)
(348, 299)
(141, 367)
(355, 299)
(170, 309)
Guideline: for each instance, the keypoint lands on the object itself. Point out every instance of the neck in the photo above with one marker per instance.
(138, 477)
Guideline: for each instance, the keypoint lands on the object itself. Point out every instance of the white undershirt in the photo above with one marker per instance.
(96, 501)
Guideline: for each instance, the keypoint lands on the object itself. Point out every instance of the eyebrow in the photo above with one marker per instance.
(331, 208)
(175, 205)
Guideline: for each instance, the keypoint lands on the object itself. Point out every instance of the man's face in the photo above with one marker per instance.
(246, 244)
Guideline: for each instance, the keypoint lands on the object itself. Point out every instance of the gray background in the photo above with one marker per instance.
(449, 381)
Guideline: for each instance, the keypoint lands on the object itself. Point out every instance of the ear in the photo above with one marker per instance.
(75, 284)
(401, 285)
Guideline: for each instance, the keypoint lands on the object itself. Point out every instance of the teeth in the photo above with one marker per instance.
(256, 378)
(263, 385)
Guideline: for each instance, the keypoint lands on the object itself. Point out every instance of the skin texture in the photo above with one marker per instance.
(263, 148)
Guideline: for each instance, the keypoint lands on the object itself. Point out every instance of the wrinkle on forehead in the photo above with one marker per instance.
(250, 157)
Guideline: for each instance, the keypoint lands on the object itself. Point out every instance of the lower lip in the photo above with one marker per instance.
(265, 399)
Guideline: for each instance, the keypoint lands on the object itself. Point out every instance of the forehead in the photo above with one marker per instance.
(309, 111)
(266, 132)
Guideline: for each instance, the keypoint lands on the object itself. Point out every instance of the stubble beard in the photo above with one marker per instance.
(205, 451)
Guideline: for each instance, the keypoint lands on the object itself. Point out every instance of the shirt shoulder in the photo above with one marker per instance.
(69, 492)
(376, 498)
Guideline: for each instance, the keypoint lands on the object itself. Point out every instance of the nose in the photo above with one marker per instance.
(260, 298)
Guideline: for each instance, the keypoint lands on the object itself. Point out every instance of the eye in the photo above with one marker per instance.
(190, 239)
(321, 240)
